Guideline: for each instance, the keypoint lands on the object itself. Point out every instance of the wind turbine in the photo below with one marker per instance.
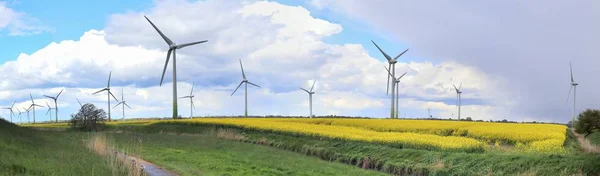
(27, 110)
(79, 102)
(123, 103)
(48, 112)
(172, 48)
(107, 89)
(396, 84)
(458, 97)
(392, 64)
(244, 80)
(192, 106)
(574, 87)
(32, 106)
(11, 111)
(310, 93)
(55, 104)
(20, 119)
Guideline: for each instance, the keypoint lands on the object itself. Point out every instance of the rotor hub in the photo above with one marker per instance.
(173, 46)
(391, 61)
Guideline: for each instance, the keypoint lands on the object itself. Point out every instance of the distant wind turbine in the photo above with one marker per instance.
(574, 87)
(392, 65)
(48, 112)
(458, 97)
(396, 84)
(123, 103)
(27, 110)
(32, 106)
(55, 104)
(191, 97)
(20, 119)
(172, 48)
(310, 93)
(11, 111)
(109, 94)
(244, 80)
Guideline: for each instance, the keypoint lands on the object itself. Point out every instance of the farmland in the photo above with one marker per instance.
(399, 147)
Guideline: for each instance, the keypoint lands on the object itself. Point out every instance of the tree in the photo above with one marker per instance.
(588, 122)
(88, 118)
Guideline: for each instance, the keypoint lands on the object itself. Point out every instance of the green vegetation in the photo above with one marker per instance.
(28, 152)
(394, 160)
(208, 155)
(594, 138)
(588, 122)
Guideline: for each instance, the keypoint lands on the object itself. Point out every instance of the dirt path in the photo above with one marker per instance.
(585, 144)
(135, 165)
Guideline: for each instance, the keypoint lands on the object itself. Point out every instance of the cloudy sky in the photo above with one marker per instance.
(512, 57)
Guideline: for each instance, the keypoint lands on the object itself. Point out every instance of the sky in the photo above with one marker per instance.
(512, 57)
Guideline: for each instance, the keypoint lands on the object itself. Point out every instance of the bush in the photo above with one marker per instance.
(588, 122)
(88, 118)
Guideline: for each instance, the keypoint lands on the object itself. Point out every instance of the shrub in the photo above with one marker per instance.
(89, 118)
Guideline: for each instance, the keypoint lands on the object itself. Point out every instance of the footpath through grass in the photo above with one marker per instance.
(29, 152)
(386, 158)
(209, 155)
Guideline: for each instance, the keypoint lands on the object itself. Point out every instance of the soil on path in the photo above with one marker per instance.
(585, 144)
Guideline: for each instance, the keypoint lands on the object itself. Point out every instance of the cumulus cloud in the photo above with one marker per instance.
(282, 49)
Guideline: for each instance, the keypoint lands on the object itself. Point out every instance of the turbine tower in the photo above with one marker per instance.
(458, 97)
(11, 111)
(48, 112)
(574, 88)
(310, 93)
(27, 110)
(244, 80)
(191, 97)
(392, 64)
(55, 104)
(20, 119)
(172, 48)
(396, 84)
(123, 103)
(32, 106)
(109, 94)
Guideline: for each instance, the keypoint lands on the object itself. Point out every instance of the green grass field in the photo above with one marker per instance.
(29, 152)
(206, 155)
(594, 138)
(397, 161)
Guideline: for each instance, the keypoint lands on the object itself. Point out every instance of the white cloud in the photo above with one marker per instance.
(19, 23)
(282, 50)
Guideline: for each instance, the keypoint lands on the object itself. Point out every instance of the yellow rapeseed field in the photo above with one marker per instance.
(428, 134)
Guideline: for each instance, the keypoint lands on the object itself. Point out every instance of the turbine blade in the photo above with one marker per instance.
(79, 102)
(236, 88)
(193, 105)
(117, 104)
(389, 73)
(165, 68)
(48, 97)
(13, 105)
(112, 95)
(31, 98)
(460, 86)
(48, 105)
(47, 112)
(396, 58)
(185, 97)
(109, 75)
(569, 95)
(127, 105)
(305, 90)
(313, 86)
(190, 44)
(253, 84)
(387, 89)
(192, 89)
(401, 75)
(382, 52)
(159, 32)
(59, 93)
(98, 91)
(455, 87)
(571, 68)
(241, 66)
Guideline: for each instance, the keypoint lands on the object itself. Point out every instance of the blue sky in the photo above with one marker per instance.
(284, 48)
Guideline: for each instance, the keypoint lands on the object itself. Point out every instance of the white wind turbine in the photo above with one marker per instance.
(396, 84)
(11, 111)
(392, 64)
(55, 103)
(48, 112)
(172, 48)
(245, 82)
(191, 97)
(109, 94)
(27, 110)
(32, 107)
(20, 119)
(122, 103)
(574, 87)
(310, 93)
(458, 97)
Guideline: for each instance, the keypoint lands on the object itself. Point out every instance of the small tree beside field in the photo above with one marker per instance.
(89, 118)
(588, 122)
